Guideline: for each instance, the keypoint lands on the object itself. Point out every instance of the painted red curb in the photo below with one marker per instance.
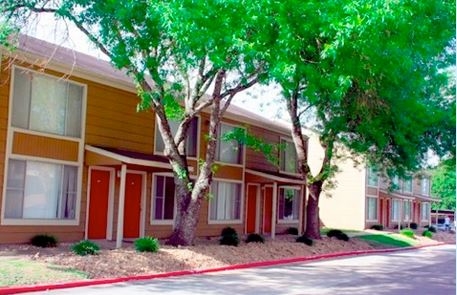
(93, 282)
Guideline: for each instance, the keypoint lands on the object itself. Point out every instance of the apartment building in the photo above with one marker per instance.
(78, 162)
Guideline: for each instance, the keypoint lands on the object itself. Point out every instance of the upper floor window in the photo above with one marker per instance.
(425, 186)
(40, 190)
(288, 158)
(225, 203)
(228, 151)
(396, 183)
(408, 185)
(407, 212)
(46, 104)
(425, 211)
(373, 176)
(395, 210)
(371, 209)
(191, 140)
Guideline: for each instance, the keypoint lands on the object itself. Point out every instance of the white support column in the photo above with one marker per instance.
(120, 214)
(300, 212)
(274, 210)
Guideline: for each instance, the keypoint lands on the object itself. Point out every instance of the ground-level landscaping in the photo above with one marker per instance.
(26, 264)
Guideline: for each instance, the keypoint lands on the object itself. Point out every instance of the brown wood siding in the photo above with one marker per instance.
(372, 191)
(229, 172)
(44, 147)
(257, 160)
(112, 120)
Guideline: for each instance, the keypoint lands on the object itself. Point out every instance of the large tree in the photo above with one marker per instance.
(183, 56)
(443, 184)
(371, 74)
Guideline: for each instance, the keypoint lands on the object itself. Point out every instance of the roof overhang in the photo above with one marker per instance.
(426, 198)
(268, 177)
(397, 196)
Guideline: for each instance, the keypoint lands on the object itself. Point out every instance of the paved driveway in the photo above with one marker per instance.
(426, 271)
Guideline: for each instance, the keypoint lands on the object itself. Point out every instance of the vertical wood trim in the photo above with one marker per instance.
(274, 209)
(120, 216)
(300, 210)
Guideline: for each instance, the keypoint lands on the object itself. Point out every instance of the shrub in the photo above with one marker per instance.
(229, 237)
(413, 225)
(147, 244)
(292, 231)
(255, 238)
(427, 233)
(44, 241)
(432, 228)
(377, 227)
(342, 236)
(407, 232)
(334, 233)
(396, 227)
(305, 240)
(85, 247)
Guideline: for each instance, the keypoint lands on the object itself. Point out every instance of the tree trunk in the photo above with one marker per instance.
(312, 211)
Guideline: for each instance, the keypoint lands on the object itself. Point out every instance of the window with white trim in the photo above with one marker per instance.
(372, 176)
(408, 185)
(225, 203)
(425, 186)
(288, 204)
(40, 190)
(396, 183)
(228, 151)
(395, 210)
(163, 198)
(425, 211)
(407, 213)
(191, 139)
(372, 208)
(288, 157)
(46, 104)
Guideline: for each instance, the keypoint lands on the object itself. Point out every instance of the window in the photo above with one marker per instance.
(372, 208)
(288, 204)
(407, 210)
(228, 151)
(408, 185)
(395, 212)
(425, 186)
(191, 140)
(425, 211)
(39, 190)
(288, 159)
(225, 203)
(163, 198)
(46, 104)
(372, 177)
(396, 183)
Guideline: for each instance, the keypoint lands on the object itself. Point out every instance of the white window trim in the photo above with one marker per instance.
(157, 134)
(9, 154)
(288, 139)
(393, 218)
(161, 221)
(377, 207)
(289, 221)
(429, 211)
(368, 179)
(243, 159)
(410, 217)
(228, 221)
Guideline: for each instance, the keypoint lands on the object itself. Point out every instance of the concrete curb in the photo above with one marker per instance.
(93, 282)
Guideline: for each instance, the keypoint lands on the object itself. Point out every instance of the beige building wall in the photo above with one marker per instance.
(342, 206)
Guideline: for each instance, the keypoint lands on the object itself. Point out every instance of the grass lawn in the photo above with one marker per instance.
(325, 230)
(395, 240)
(17, 271)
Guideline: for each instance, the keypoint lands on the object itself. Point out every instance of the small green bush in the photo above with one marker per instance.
(229, 237)
(44, 241)
(407, 232)
(334, 233)
(427, 233)
(305, 240)
(342, 236)
(377, 227)
(431, 228)
(147, 244)
(85, 247)
(255, 238)
(413, 225)
(292, 231)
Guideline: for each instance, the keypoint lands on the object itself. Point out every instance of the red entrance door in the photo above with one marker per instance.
(267, 209)
(251, 212)
(98, 205)
(132, 208)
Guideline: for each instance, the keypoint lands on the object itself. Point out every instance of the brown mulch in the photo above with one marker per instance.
(205, 254)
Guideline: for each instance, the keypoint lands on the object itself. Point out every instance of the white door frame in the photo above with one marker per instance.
(109, 221)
